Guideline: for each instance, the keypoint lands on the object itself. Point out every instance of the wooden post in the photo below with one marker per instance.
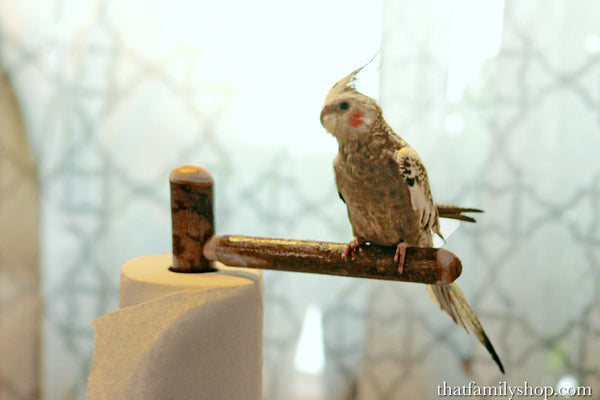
(193, 217)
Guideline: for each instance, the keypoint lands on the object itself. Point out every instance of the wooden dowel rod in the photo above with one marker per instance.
(422, 265)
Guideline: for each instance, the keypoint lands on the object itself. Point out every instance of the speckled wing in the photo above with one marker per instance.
(415, 175)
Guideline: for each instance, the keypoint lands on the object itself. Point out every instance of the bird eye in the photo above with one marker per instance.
(344, 106)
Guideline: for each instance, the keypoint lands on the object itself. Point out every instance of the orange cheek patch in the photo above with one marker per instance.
(355, 119)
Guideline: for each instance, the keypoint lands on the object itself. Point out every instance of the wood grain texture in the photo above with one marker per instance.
(422, 265)
(192, 216)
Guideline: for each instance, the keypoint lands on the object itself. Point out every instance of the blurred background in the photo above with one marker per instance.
(99, 100)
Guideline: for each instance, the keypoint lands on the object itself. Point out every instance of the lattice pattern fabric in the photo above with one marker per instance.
(113, 100)
(526, 152)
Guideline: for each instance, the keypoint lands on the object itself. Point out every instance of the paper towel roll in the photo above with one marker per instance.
(180, 336)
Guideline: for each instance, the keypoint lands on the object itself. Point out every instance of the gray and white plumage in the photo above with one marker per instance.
(385, 187)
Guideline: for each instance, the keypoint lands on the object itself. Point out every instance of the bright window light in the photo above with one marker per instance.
(592, 44)
(475, 36)
(566, 386)
(310, 356)
(454, 124)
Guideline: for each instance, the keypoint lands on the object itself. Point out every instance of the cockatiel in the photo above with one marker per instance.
(385, 187)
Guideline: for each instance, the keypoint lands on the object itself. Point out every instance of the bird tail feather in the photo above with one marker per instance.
(455, 212)
(452, 300)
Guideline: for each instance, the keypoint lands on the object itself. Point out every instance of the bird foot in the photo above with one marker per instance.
(400, 256)
(352, 246)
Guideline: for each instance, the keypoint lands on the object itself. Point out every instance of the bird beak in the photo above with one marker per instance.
(324, 112)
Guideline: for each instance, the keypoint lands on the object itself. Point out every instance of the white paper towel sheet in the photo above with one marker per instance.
(180, 336)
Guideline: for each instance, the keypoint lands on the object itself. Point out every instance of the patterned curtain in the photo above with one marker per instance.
(116, 94)
(20, 305)
(500, 100)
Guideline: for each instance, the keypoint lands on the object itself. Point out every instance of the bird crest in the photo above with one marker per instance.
(347, 85)
(344, 86)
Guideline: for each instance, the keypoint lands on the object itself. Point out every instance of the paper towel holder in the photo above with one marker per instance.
(196, 247)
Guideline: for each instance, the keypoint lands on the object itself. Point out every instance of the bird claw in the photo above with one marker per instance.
(400, 256)
(352, 246)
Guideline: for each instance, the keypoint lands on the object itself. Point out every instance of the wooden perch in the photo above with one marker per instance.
(424, 265)
(195, 247)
